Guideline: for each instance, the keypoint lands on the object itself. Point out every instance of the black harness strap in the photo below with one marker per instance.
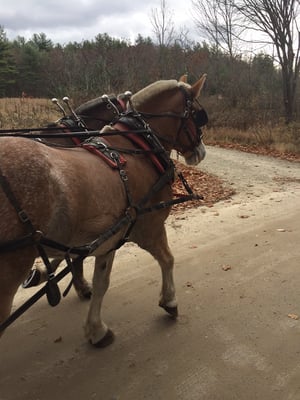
(14, 244)
(167, 204)
(80, 250)
(33, 299)
(40, 293)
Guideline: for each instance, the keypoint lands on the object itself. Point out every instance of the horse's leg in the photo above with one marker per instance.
(96, 330)
(157, 245)
(13, 269)
(82, 287)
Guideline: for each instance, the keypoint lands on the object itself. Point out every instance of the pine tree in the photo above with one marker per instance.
(7, 65)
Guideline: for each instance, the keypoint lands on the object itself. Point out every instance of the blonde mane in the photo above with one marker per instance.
(155, 89)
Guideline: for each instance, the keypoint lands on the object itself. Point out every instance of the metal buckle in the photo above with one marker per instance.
(23, 216)
(114, 155)
(102, 146)
(123, 175)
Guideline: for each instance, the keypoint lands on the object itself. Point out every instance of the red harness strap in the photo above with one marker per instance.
(76, 140)
(104, 154)
(140, 142)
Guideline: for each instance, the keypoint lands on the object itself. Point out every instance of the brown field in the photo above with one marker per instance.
(26, 113)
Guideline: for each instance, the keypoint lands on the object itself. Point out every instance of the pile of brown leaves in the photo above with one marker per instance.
(210, 187)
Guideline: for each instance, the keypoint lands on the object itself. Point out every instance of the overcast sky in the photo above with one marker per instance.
(65, 21)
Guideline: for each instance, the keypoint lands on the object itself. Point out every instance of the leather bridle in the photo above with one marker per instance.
(192, 120)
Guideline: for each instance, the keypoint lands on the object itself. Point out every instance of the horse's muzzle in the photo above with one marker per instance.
(195, 157)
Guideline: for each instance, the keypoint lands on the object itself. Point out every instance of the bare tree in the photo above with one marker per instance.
(163, 25)
(163, 29)
(217, 20)
(279, 20)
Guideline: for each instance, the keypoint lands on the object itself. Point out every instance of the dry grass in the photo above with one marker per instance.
(280, 138)
(26, 113)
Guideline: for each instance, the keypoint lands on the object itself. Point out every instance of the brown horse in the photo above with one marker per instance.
(73, 197)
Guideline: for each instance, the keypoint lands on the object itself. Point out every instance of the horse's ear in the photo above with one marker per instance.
(183, 78)
(197, 87)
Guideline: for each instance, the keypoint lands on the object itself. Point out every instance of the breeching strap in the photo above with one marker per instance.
(52, 290)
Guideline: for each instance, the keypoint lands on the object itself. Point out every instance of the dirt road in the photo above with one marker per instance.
(238, 284)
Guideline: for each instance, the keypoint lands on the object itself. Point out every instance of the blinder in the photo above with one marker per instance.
(196, 117)
(200, 117)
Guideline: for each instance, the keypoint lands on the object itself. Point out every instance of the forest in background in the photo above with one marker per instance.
(246, 90)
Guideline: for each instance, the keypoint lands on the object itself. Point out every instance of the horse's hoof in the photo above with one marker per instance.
(172, 311)
(84, 295)
(33, 279)
(107, 339)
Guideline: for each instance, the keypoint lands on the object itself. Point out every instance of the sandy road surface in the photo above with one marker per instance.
(236, 337)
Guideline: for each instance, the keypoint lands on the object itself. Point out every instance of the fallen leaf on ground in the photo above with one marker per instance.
(226, 267)
(293, 316)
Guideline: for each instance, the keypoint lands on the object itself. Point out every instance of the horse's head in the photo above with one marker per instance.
(98, 112)
(90, 116)
(172, 110)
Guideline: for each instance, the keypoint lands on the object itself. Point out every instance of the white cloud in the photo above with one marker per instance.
(69, 20)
